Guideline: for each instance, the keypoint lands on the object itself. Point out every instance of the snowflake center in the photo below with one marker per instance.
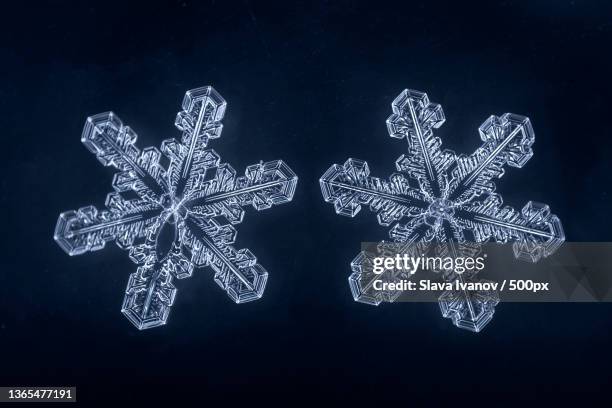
(174, 206)
(441, 209)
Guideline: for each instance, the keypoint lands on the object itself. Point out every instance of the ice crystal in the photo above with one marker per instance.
(439, 196)
(184, 214)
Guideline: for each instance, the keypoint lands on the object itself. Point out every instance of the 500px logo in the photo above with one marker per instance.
(412, 264)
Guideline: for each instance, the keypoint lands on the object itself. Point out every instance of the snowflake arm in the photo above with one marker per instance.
(200, 121)
(414, 118)
(411, 238)
(149, 295)
(150, 292)
(262, 186)
(468, 309)
(361, 281)
(236, 271)
(115, 145)
(534, 231)
(88, 229)
(349, 187)
(507, 140)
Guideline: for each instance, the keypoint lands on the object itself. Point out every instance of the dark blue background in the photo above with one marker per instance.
(311, 84)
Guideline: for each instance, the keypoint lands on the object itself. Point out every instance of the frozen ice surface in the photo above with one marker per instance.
(183, 215)
(439, 196)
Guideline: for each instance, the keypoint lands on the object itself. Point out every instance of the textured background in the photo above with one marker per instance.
(312, 84)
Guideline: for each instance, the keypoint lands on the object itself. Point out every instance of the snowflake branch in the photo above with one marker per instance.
(349, 187)
(114, 145)
(507, 140)
(88, 229)
(264, 185)
(237, 272)
(203, 109)
(413, 118)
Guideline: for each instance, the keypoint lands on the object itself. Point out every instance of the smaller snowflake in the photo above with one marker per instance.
(439, 196)
(184, 214)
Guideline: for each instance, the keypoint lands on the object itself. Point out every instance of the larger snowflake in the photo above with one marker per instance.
(184, 213)
(439, 196)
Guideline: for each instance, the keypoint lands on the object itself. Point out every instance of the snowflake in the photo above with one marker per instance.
(183, 213)
(443, 197)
